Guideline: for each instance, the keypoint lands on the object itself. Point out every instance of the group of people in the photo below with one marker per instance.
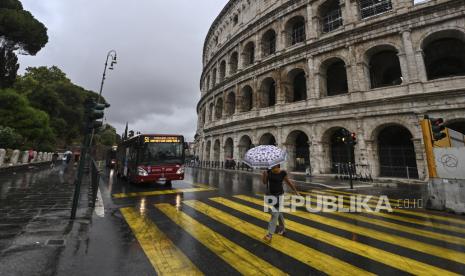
(67, 156)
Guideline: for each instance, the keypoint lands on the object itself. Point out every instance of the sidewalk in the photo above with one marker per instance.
(35, 207)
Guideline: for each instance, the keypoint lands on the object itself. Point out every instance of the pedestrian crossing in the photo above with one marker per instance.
(231, 229)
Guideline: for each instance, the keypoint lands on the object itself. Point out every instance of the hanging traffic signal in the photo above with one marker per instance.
(437, 128)
(94, 112)
(353, 138)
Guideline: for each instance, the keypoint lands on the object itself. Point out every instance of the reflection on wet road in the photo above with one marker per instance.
(213, 223)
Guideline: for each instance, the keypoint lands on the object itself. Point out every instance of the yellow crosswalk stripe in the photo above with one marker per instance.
(236, 256)
(302, 253)
(162, 192)
(393, 260)
(400, 227)
(419, 214)
(164, 256)
(401, 218)
(393, 239)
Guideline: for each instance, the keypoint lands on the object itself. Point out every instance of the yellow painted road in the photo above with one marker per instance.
(162, 192)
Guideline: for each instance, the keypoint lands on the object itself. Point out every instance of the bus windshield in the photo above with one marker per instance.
(161, 153)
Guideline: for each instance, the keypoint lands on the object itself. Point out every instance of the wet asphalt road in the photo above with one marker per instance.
(213, 223)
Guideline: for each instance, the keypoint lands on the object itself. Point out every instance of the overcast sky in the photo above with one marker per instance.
(155, 85)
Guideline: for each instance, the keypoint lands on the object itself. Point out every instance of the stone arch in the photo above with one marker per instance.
(245, 143)
(208, 150)
(383, 66)
(295, 30)
(230, 103)
(229, 149)
(297, 90)
(268, 139)
(248, 54)
(297, 145)
(267, 92)
(233, 63)
(444, 54)
(396, 151)
(333, 77)
(216, 150)
(330, 16)
(337, 152)
(269, 43)
(219, 109)
(246, 98)
(222, 70)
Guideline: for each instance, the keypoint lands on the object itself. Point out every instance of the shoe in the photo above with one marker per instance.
(267, 237)
(281, 231)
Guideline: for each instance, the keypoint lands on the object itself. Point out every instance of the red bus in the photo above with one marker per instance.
(148, 158)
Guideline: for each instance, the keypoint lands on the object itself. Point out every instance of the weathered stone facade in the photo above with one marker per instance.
(274, 74)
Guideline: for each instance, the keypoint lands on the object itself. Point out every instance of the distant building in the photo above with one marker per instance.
(297, 73)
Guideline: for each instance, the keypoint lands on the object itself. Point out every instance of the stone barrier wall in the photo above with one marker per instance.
(9, 157)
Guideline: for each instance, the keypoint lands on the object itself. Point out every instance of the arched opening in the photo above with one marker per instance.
(457, 125)
(233, 63)
(298, 89)
(385, 68)
(335, 77)
(222, 70)
(268, 139)
(444, 54)
(230, 104)
(216, 151)
(373, 7)
(214, 78)
(268, 93)
(269, 43)
(246, 99)
(298, 150)
(295, 30)
(396, 153)
(229, 149)
(219, 109)
(330, 16)
(207, 151)
(341, 153)
(248, 56)
(245, 143)
(211, 107)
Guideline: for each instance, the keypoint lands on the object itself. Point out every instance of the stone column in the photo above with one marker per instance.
(290, 148)
(24, 157)
(404, 68)
(421, 160)
(312, 80)
(410, 56)
(236, 153)
(422, 76)
(14, 157)
(317, 157)
(349, 12)
(312, 22)
(255, 97)
(2, 156)
(222, 152)
(372, 157)
(280, 90)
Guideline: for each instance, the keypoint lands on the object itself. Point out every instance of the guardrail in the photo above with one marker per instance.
(14, 157)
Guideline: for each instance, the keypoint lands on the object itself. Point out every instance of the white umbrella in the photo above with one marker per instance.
(265, 157)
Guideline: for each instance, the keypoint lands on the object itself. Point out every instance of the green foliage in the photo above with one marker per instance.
(32, 124)
(8, 67)
(49, 89)
(20, 30)
(9, 138)
(107, 136)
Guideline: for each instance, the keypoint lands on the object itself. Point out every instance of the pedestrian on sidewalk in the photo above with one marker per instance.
(54, 160)
(274, 179)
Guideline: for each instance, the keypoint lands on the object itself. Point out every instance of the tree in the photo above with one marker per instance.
(107, 136)
(32, 124)
(9, 138)
(19, 31)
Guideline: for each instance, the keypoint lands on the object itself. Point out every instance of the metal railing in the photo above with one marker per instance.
(358, 172)
(227, 165)
(399, 172)
(373, 7)
(332, 21)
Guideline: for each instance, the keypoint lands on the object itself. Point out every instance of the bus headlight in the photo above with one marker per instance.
(142, 172)
(180, 171)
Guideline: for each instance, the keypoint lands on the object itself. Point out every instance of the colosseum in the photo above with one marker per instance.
(299, 73)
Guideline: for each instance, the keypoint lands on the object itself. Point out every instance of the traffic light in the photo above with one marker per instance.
(349, 138)
(94, 112)
(353, 138)
(437, 128)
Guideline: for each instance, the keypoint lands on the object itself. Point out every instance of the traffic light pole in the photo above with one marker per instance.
(349, 151)
(78, 181)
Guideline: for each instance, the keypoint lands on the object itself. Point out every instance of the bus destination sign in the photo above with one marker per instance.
(162, 139)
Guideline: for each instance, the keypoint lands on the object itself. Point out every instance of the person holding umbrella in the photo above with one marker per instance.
(270, 158)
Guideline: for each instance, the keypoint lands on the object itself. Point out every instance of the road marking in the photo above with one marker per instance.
(419, 214)
(163, 192)
(376, 254)
(400, 227)
(99, 206)
(400, 218)
(393, 239)
(164, 256)
(234, 255)
(305, 254)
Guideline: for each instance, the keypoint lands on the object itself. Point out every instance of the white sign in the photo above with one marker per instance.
(450, 162)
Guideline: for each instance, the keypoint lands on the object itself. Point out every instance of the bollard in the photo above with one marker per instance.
(14, 157)
(2, 156)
